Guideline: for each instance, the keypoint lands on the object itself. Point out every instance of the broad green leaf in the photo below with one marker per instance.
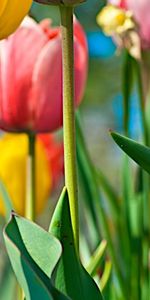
(70, 277)
(138, 152)
(35, 283)
(43, 248)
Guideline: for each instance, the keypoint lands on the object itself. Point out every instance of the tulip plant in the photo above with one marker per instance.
(38, 95)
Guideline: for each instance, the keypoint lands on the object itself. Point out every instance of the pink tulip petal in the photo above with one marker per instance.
(17, 64)
(47, 87)
(141, 11)
(47, 83)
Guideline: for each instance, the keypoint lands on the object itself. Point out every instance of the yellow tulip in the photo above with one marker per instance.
(114, 20)
(13, 158)
(12, 13)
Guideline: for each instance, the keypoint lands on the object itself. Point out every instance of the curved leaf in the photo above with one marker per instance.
(35, 283)
(138, 152)
(70, 277)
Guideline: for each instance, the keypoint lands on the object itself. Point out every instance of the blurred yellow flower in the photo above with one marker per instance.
(114, 20)
(13, 159)
(12, 13)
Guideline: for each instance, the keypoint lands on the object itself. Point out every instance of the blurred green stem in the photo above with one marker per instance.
(30, 181)
(141, 101)
(146, 181)
(69, 116)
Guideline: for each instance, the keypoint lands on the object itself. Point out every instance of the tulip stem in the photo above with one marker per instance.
(69, 117)
(30, 194)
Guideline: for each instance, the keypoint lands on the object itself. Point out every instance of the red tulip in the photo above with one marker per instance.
(31, 76)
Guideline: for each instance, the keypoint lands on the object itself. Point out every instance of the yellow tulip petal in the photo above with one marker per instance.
(12, 13)
(13, 158)
(2, 6)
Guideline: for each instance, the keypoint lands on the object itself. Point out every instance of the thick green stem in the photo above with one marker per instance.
(30, 187)
(69, 116)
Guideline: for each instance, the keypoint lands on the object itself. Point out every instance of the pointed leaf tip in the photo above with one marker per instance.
(70, 277)
(138, 152)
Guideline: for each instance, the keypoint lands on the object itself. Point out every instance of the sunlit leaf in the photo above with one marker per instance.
(35, 283)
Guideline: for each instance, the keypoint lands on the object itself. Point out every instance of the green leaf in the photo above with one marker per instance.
(127, 85)
(70, 277)
(94, 196)
(138, 152)
(36, 284)
(87, 175)
(106, 274)
(112, 196)
(6, 199)
(96, 258)
(43, 248)
(8, 283)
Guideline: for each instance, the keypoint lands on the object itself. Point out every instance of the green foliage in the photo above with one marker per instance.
(6, 199)
(70, 277)
(127, 85)
(96, 258)
(30, 249)
(138, 152)
(7, 283)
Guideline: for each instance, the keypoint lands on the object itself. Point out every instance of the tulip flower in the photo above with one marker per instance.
(31, 76)
(11, 14)
(13, 171)
(140, 10)
(118, 21)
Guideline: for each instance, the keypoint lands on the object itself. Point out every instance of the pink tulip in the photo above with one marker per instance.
(31, 76)
(141, 11)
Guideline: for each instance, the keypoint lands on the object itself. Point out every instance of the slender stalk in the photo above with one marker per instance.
(142, 103)
(69, 116)
(30, 194)
(146, 200)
